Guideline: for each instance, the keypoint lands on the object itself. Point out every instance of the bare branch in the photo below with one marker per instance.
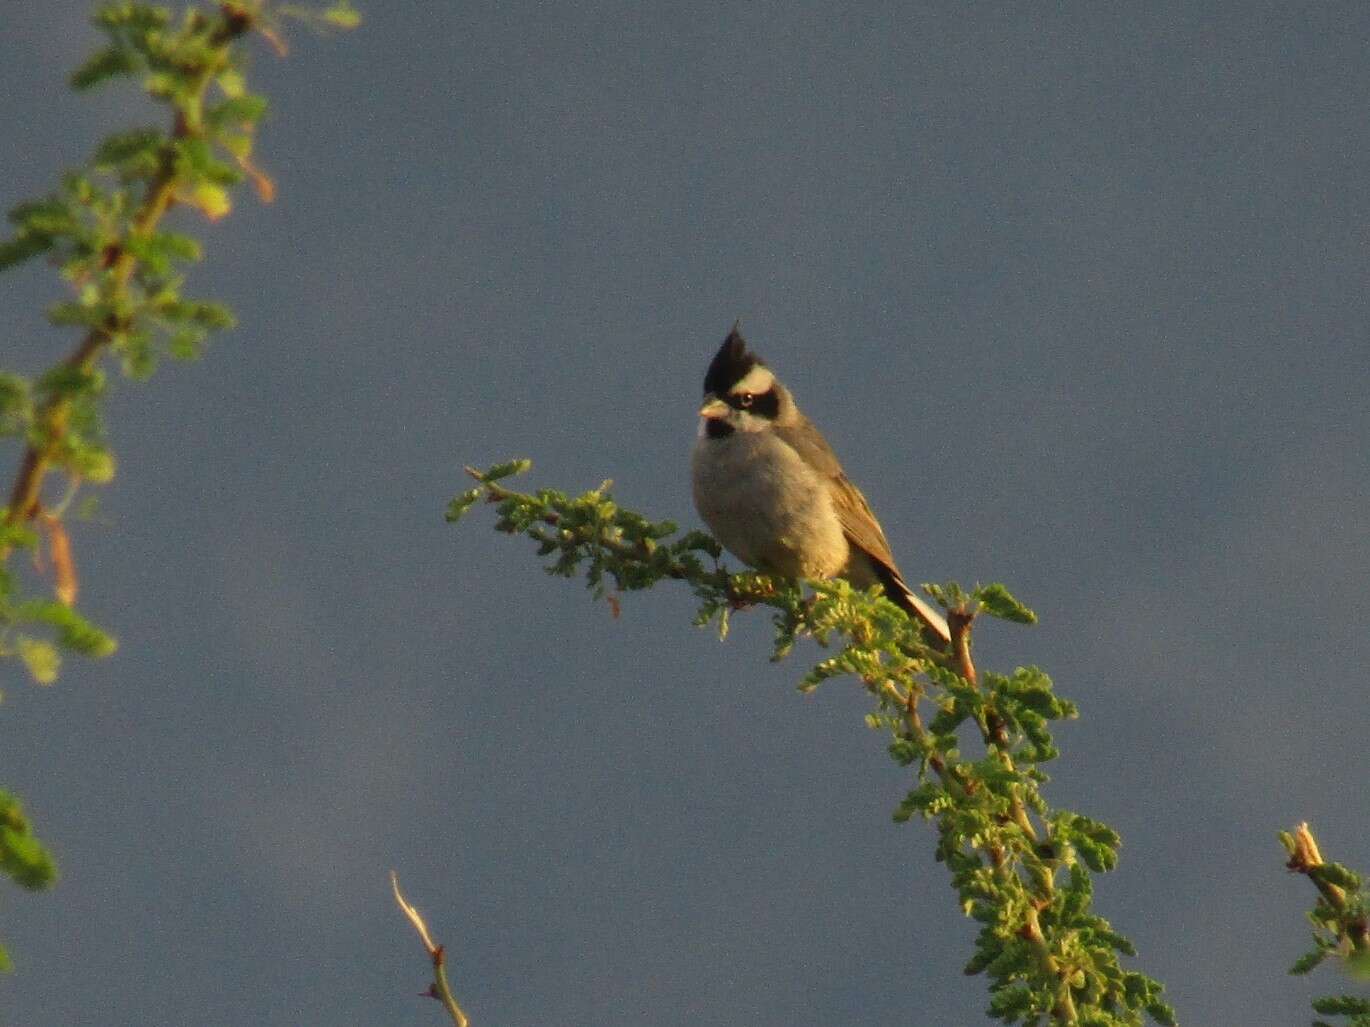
(439, 989)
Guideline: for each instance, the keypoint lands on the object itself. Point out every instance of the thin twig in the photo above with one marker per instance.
(439, 989)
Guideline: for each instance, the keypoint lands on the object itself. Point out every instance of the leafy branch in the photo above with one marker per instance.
(102, 229)
(1340, 919)
(1020, 868)
(124, 273)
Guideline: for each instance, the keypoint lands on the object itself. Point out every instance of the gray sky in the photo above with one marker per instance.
(1079, 296)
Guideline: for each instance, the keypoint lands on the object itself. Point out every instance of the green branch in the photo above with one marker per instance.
(1340, 919)
(1021, 869)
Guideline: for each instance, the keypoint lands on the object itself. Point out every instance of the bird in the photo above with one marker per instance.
(773, 492)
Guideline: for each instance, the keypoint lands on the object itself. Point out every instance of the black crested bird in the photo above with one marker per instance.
(771, 489)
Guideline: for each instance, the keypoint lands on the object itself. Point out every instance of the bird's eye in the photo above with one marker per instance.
(745, 399)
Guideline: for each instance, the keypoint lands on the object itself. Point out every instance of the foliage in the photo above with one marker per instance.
(1022, 870)
(22, 856)
(1341, 923)
(124, 273)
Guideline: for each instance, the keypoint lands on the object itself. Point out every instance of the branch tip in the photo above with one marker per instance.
(413, 916)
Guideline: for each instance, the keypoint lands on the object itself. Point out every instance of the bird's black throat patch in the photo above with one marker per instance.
(730, 364)
(716, 429)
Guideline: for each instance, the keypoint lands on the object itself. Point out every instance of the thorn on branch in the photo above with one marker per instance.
(959, 621)
(65, 584)
(261, 181)
(274, 39)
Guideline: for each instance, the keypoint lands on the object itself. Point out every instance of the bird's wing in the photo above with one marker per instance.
(858, 522)
(812, 448)
(860, 525)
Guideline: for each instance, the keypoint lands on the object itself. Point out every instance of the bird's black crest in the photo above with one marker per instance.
(730, 364)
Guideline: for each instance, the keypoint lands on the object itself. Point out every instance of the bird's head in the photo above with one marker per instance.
(740, 392)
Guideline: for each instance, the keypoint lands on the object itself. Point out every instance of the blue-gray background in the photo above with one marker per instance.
(1080, 296)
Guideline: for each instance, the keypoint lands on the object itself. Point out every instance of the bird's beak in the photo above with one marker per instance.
(713, 407)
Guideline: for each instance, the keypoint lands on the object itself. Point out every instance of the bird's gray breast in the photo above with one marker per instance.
(767, 506)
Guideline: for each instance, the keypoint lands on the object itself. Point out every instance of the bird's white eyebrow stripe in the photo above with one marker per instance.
(758, 379)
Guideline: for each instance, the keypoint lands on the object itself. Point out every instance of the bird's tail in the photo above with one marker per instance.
(901, 595)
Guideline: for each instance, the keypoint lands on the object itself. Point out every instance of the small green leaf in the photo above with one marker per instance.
(25, 860)
(140, 19)
(1336, 874)
(74, 631)
(698, 541)
(342, 15)
(51, 215)
(95, 464)
(213, 317)
(1098, 858)
(949, 595)
(13, 535)
(197, 313)
(1162, 1013)
(144, 143)
(71, 312)
(22, 247)
(211, 199)
(104, 65)
(997, 601)
(16, 404)
(1358, 964)
(1010, 1004)
(245, 108)
(70, 381)
(458, 507)
(1345, 1005)
(1308, 961)
(41, 658)
(137, 358)
(198, 164)
(163, 84)
(232, 83)
(186, 344)
(506, 470)
(168, 246)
